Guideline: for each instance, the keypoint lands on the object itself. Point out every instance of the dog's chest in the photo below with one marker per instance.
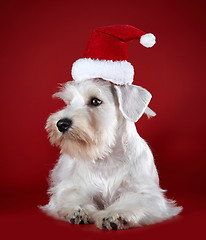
(105, 177)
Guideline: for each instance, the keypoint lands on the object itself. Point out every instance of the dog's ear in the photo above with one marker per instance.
(133, 101)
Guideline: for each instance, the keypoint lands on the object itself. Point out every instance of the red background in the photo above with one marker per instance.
(39, 42)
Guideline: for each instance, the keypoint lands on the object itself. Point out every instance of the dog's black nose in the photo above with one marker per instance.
(64, 124)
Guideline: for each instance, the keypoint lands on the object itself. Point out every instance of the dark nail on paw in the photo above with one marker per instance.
(72, 221)
(113, 226)
(124, 222)
(81, 222)
(104, 227)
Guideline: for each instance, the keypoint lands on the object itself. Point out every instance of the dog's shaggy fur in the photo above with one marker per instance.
(106, 172)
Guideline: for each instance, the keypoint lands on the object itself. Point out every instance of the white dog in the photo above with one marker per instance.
(106, 172)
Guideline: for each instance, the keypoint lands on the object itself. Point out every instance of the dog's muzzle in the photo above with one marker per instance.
(64, 124)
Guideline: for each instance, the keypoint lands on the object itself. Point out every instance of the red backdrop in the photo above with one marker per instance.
(39, 42)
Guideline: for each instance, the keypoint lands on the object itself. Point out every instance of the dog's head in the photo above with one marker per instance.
(86, 128)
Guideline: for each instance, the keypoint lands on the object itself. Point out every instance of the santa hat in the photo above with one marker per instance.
(106, 55)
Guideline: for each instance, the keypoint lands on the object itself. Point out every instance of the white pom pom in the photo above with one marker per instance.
(148, 40)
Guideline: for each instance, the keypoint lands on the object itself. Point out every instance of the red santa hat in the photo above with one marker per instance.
(106, 55)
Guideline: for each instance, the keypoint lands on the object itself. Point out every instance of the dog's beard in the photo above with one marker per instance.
(80, 144)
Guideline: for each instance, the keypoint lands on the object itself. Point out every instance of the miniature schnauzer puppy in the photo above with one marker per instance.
(106, 172)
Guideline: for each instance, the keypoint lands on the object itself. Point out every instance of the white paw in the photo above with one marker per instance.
(115, 222)
(78, 216)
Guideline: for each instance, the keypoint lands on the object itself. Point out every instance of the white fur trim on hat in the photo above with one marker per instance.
(148, 40)
(118, 72)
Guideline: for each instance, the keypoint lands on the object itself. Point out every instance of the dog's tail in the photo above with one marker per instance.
(149, 112)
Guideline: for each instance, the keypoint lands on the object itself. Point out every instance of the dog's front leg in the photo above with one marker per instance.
(72, 205)
(77, 207)
(136, 209)
(122, 214)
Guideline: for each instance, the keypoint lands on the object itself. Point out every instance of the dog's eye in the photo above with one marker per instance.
(95, 102)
